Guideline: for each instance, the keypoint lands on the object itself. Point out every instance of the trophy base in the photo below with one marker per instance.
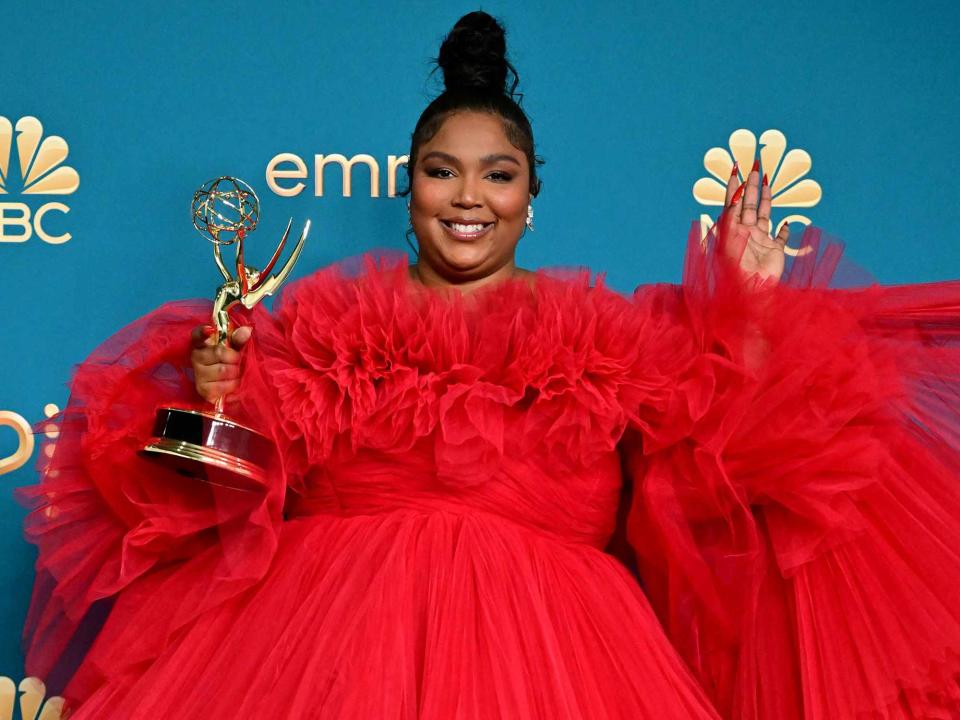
(210, 447)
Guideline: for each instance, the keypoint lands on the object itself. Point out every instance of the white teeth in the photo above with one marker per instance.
(469, 229)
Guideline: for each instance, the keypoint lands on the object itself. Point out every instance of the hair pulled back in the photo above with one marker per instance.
(477, 77)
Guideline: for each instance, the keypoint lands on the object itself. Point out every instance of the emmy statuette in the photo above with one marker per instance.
(207, 444)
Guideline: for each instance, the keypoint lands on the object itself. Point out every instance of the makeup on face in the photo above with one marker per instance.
(469, 199)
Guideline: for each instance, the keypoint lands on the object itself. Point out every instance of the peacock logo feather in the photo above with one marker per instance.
(32, 694)
(786, 171)
(41, 159)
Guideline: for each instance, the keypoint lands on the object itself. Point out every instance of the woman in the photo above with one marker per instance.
(451, 442)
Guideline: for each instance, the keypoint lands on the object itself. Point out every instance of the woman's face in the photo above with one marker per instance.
(468, 203)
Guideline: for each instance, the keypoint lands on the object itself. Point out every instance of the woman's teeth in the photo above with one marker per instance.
(467, 231)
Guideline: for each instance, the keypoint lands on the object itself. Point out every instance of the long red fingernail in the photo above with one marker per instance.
(209, 330)
(736, 169)
(765, 180)
(736, 196)
(756, 165)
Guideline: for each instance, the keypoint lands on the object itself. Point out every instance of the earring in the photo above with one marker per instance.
(408, 233)
(530, 217)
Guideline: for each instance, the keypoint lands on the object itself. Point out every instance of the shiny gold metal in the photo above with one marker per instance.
(193, 452)
(207, 444)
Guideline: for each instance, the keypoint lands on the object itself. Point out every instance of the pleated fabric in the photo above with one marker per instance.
(436, 534)
(797, 502)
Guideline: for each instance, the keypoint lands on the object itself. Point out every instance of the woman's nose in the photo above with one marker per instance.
(467, 194)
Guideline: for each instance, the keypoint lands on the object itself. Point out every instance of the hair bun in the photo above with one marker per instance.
(474, 55)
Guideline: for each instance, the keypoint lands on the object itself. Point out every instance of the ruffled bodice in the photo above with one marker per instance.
(779, 461)
(510, 400)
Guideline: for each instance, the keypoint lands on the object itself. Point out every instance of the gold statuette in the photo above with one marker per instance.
(207, 444)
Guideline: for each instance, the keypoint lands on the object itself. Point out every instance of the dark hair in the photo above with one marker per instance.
(478, 77)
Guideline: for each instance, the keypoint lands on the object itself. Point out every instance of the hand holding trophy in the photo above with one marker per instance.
(207, 444)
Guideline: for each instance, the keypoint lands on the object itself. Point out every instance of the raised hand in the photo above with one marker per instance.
(216, 368)
(745, 224)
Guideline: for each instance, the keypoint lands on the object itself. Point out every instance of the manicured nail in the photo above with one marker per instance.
(736, 196)
(765, 180)
(209, 330)
(756, 165)
(736, 169)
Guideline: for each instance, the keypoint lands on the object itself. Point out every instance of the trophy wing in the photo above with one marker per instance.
(269, 284)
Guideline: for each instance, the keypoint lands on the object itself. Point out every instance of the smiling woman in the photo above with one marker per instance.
(470, 456)
(472, 164)
(468, 202)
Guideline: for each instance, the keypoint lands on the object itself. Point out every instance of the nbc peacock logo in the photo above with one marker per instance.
(42, 172)
(25, 440)
(786, 171)
(31, 702)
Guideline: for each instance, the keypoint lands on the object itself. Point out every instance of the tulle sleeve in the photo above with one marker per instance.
(795, 514)
(115, 528)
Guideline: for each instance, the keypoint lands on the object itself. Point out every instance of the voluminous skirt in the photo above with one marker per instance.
(405, 614)
(431, 541)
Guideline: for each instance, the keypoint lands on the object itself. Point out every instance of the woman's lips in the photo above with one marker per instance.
(466, 231)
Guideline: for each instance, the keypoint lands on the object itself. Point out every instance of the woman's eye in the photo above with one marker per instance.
(439, 173)
(500, 176)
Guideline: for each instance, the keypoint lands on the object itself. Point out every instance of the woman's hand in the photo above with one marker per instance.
(216, 367)
(745, 223)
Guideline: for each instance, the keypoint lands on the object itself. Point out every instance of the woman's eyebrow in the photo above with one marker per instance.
(499, 157)
(485, 160)
(444, 157)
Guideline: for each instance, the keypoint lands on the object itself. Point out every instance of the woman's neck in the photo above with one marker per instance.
(422, 273)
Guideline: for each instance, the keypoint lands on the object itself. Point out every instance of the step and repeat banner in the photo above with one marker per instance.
(112, 114)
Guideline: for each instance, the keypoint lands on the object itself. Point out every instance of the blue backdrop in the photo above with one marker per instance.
(625, 100)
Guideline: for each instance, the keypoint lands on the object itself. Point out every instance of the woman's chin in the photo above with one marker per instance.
(464, 261)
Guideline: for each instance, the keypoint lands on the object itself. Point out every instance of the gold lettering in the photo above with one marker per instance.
(321, 161)
(274, 173)
(25, 441)
(38, 223)
(23, 222)
(394, 162)
(798, 251)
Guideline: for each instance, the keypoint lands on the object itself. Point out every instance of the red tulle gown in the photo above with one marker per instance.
(463, 483)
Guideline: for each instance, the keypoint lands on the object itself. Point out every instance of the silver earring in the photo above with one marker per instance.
(530, 217)
(408, 208)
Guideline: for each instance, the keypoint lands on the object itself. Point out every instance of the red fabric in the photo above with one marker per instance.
(430, 543)
(797, 500)
(106, 519)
